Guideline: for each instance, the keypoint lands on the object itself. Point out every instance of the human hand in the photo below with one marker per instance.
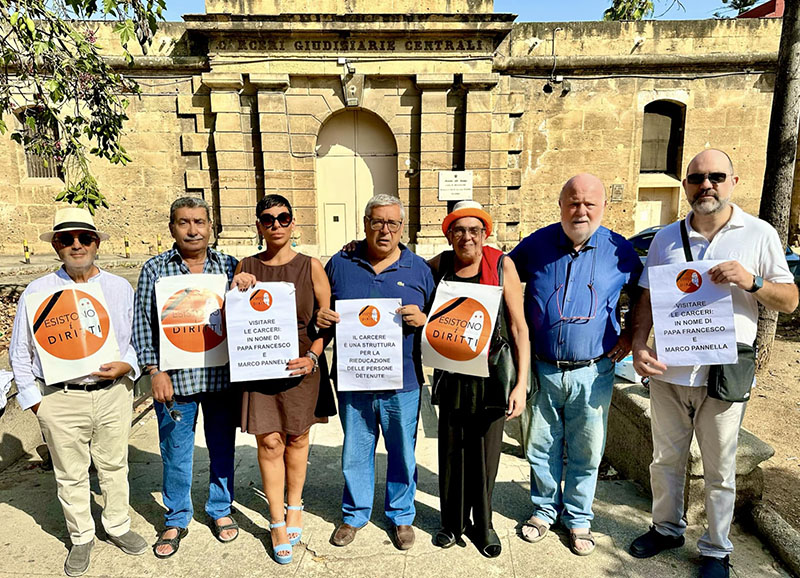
(113, 370)
(412, 315)
(326, 318)
(161, 384)
(243, 281)
(301, 366)
(645, 361)
(350, 247)
(621, 349)
(517, 400)
(732, 272)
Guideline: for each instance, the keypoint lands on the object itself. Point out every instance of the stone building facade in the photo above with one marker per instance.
(329, 101)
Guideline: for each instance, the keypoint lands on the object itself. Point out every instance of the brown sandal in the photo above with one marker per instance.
(532, 522)
(173, 543)
(573, 538)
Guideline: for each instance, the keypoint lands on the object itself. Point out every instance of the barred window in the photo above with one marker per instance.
(37, 166)
(662, 137)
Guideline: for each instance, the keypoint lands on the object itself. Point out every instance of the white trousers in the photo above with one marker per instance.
(81, 427)
(678, 411)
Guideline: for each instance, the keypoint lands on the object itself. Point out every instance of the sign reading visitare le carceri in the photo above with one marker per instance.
(340, 45)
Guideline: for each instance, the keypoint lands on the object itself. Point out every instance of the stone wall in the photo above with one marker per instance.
(229, 119)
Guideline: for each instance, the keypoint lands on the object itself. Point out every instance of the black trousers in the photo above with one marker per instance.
(469, 455)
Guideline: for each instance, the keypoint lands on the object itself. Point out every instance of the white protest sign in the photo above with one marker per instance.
(192, 331)
(369, 345)
(72, 331)
(692, 315)
(458, 333)
(262, 331)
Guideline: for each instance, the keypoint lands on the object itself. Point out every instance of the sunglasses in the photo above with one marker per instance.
(459, 232)
(67, 239)
(284, 220)
(700, 178)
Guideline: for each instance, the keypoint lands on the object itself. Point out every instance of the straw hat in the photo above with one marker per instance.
(72, 219)
(467, 209)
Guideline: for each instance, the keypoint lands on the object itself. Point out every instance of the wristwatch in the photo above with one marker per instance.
(758, 283)
(315, 358)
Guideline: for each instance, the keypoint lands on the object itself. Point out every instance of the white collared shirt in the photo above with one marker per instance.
(22, 353)
(750, 241)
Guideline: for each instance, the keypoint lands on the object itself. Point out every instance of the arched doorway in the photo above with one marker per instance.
(356, 158)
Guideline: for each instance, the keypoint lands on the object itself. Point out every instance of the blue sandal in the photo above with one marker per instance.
(295, 529)
(281, 558)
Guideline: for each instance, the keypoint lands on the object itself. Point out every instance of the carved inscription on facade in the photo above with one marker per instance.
(351, 45)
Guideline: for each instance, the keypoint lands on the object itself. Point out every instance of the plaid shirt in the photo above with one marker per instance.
(145, 319)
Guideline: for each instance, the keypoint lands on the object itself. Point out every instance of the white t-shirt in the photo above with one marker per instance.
(744, 238)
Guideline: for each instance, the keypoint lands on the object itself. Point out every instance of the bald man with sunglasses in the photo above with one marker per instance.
(682, 399)
(87, 419)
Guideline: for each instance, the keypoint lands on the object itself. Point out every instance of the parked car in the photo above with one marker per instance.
(641, 242)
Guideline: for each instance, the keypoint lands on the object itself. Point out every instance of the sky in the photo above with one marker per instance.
(531, 10)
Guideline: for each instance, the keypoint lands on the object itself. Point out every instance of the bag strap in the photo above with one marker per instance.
(687, 251)
(500, 269)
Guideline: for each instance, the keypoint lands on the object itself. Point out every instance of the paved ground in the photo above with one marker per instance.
(34, 540)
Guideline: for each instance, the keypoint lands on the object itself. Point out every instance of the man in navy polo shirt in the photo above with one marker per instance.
(574, 271)
(381, 267)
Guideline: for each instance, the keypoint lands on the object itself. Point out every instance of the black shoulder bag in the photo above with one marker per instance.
(501, 355)
(731, 381)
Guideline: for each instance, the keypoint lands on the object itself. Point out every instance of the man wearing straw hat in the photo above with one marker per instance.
(87, 419)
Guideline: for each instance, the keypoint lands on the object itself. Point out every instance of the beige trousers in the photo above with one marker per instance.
(677, 413)
(81, 427)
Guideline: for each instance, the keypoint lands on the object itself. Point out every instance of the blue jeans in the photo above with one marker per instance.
(396, 414)
(568, 416)
(220, 418)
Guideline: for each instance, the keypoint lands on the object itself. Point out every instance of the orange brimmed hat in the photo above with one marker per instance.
(467, 209)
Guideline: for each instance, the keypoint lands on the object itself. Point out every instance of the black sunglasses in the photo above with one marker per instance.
(67, 239)
(699, 178)
(284, 220)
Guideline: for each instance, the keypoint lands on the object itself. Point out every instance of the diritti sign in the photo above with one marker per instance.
(353, 45)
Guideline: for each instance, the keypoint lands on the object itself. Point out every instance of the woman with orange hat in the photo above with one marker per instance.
(472, 410)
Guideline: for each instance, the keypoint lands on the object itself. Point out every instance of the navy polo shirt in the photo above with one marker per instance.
(409, 279)
(571, 298)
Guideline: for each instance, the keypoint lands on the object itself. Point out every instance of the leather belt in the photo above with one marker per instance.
(84, 386)
(569, 365)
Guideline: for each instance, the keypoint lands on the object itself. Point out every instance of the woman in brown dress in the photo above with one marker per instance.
(280, 412)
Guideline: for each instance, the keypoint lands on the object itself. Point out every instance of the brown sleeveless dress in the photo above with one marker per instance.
(285, 405)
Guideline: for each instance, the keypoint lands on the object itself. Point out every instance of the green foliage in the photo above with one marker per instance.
(734, 7)
(69, 103)
(626, 10)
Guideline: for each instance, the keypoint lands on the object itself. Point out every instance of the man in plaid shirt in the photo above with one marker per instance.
(179, 393)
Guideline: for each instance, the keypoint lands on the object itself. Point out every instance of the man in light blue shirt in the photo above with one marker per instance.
(87, 419)
(574, 271)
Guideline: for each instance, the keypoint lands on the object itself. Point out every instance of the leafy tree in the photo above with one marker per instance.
(731, 6)
(69, 102)
(637, 9)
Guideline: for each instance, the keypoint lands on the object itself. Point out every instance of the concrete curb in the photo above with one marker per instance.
(781, 537)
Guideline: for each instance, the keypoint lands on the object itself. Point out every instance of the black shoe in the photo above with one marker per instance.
(650, 544)
(715, 567)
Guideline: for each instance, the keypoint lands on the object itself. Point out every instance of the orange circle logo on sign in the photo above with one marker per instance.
(459, 329)
(689, 281)
(369, 316)
(71, 324)
(192, 320)
(260, 300)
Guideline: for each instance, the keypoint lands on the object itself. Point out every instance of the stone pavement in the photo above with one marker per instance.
(34, 539)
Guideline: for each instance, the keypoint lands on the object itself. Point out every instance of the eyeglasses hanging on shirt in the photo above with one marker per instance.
(560, 292)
